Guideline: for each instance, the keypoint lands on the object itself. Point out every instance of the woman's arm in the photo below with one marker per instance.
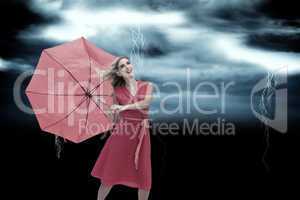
(145, 103)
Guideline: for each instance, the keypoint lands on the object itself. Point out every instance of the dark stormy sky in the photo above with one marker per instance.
(217, 40)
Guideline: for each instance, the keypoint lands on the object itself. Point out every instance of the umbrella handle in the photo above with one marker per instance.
(116, 116)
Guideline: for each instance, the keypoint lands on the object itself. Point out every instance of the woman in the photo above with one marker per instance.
(126, 157)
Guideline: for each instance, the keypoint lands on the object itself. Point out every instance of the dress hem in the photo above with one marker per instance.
(121, 182)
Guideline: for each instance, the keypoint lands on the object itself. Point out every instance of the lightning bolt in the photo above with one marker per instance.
(137, 57)
(264, 107)
(138, 45)
(59, 143)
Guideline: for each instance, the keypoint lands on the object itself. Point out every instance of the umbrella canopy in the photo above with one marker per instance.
(68, 92)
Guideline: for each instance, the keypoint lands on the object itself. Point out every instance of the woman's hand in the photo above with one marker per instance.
(117, 108)
(103, 73)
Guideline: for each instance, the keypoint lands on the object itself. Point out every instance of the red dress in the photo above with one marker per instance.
(126, 156)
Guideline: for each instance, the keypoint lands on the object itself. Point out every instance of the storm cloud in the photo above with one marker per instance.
(217, 40)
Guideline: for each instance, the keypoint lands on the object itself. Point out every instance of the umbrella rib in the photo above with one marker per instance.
(105, 103)
(90, 77)
(87, 112)
(78, 105)
(95, 88)
(42, 93)
(102, 95)
(65, 68)
(100, 108)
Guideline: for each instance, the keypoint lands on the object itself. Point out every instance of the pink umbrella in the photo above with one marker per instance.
(67, 93)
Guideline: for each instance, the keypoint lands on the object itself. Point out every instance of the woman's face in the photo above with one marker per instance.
(126, 69)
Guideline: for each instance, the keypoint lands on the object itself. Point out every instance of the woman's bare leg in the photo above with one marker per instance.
(103, 191)
(143, 194)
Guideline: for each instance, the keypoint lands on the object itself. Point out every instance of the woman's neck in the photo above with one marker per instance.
(130, 83)
(131, 86)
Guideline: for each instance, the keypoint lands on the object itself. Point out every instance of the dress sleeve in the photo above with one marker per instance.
(149, 88)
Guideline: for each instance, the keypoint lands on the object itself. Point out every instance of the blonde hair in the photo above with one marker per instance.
(116, 80)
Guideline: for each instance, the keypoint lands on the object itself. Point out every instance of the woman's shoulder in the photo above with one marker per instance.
(117, 89)
(144, 83)
(145, 86)
(141, 84)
